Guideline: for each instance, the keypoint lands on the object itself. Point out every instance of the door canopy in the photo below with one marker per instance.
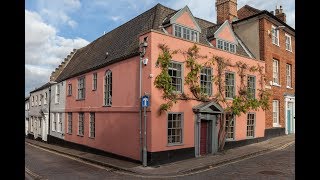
(208, 107)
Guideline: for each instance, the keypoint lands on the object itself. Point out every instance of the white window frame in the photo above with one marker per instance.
(253, 125)
(53, 122)
(69, 122)
(32, 101)
(175, 128)
(289, 75)
(234, 84)
(275, 113)
(60, 123)
(69, 89)
(82, 124)
(276, 74)
(206, 85)
(232, 130)
(185, 33)
(92, 125)
(45, 98)
(249, 88)
(108, 88)
(226, 46)
(288, 44)
(57, 95)
(36, 102)
(181, 75)
(94, 81)
(275, 35)
(81, 88)
(40, 99)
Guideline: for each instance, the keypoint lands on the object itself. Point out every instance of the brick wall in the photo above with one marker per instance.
(269, 51)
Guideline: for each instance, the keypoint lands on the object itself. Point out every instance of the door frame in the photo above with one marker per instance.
(291, 99)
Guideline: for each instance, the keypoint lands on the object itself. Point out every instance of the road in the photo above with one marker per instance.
(42, 164)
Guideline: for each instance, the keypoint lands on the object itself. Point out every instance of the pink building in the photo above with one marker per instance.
(103, 98)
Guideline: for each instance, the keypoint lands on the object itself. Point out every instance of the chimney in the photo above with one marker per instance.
(280, 14)
(226, 10)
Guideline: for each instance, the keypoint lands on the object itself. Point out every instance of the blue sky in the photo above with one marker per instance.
(54, 28)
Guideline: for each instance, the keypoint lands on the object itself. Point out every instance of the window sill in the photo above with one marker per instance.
(276, 44)
(228, 98)
(275, 84)
(80, 99)
(69, 95)
(106, 105)
(250, 137)
(289, 50)
(276, 125)
(230, 140)
(288, 87)
(79, 135)
(170, 145)
(69, 133)
(91, 137)
(94, 89)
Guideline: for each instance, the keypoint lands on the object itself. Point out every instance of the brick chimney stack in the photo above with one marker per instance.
(226, 10)
(280, 14)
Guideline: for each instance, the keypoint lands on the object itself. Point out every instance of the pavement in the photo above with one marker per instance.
(175, 168)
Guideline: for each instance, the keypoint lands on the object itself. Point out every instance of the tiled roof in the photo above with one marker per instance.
(122, 42)
(212, 29)
(42, 87)
(247, 11)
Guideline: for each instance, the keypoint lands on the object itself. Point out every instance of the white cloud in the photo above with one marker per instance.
(206, 9)
(44, 49)
(115, 18)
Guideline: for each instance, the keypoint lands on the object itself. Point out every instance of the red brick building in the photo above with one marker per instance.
(269, 38)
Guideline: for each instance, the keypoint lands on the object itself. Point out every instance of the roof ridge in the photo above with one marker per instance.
(251, 8)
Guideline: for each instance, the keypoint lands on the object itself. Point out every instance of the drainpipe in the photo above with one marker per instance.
(140, 109)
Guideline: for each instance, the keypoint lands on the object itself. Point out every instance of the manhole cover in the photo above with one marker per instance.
(271, 172)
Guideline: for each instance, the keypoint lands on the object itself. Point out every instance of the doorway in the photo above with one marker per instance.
(290, 118)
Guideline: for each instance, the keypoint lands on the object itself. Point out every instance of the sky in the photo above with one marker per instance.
(54, 28)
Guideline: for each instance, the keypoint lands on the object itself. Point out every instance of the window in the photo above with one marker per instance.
(81, 124)
(94, 81)
(230, 91)
(108, 88)
(54, 122)
(275, 35)
(81, 88)
(289, 76)
(60, 122)
(275, 72)
(175, 128)
(45, 98)
(69, 89)
(250, 124)
(92, 125)
(226, 46)
(185, 33)
(36, 103)
(70, 123)
(32, 102)
(251, 87)
(220, 44)
(230, 133)
(40, 99)
(57, 99)
(288, 43)
(206, 81)
(275, 105)
(175, 74)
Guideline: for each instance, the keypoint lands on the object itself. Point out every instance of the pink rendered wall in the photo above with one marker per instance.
(169, 29)
(186, 20)
(159, 123)
(117, 127)
(226, 34)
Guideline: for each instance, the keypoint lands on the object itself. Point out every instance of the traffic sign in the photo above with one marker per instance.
(145, 101)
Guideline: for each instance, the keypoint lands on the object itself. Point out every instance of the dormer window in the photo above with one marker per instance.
(224, 45)
(185, 33)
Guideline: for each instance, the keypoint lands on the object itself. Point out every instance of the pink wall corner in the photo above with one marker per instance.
(186, 20)
(226, 34)
(117, 127)
(159, 122)
(169, 29)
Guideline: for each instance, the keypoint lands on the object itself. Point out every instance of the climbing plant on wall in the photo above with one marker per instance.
(241, 103)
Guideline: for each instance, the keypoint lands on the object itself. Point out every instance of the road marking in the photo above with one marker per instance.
(33, 175)
(173, 176)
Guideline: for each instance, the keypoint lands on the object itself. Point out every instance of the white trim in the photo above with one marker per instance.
(226, 23)
(174, 18)
(288, 98)
(277, 30)
(276, 124)
(287, 35)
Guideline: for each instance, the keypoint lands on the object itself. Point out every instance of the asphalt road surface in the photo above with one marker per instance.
(42, 164)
